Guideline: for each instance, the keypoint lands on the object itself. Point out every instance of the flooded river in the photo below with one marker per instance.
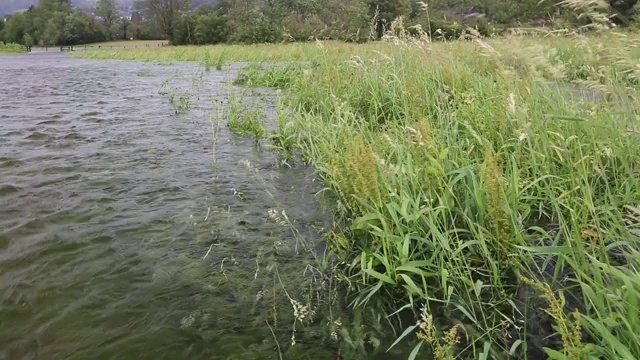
(120, 239)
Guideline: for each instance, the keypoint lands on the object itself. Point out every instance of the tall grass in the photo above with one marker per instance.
(486, 189)
(461, 169)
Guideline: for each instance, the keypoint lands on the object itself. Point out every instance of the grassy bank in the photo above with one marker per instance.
(488, 190)
(11, 48)
(126, 44)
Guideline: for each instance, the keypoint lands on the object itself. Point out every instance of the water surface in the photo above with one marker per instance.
(110, 201)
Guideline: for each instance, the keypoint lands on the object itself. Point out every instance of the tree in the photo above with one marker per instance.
(167, 12)
(386, 11)
(80, 27)
(51, 35)
(106, 10)
(14, 29)
(211, 29)
(28, 40)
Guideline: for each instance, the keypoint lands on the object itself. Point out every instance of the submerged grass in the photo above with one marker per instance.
(486, 189)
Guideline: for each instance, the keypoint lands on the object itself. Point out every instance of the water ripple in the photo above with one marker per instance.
(104, 200)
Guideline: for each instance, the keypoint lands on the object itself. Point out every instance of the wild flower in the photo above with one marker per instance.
(512, 104)
(442, 350)
(280, 217)
(570, 329)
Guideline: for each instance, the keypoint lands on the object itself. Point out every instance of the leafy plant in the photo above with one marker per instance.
(245, 122)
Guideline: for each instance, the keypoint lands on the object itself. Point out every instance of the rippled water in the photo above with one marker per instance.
(109, 203)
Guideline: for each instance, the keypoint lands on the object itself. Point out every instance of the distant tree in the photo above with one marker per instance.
(14, 28)
(80, 27)
(51, 35)
(54, 5)
(206, 9)
(211, 29)
(28, 40)
(167, 13)
(106, 10)
(387, 11)
(184, 32)
(1, 27)
(124, 29)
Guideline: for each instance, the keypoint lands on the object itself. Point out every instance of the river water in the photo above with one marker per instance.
(119, 238)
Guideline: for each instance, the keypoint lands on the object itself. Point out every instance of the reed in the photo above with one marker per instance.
(461, 168)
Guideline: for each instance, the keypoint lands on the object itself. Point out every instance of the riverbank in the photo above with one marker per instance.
(479, 191)
(11, 48)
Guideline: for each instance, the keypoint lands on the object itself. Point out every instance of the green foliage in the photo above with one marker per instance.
(167, 14)
(211, 29)
(80, 27)
(11, 48)
(253, 21)
(279, 77)
(243, 121)
(28, 40)
(14, 29)
(385, 11)
(459, 172)
(51, 34)
(106, 10)
(459, 169)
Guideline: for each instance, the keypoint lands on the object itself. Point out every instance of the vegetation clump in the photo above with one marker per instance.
(11, 48)
(243, 121)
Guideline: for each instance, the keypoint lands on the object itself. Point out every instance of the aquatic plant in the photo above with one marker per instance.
(242, 119)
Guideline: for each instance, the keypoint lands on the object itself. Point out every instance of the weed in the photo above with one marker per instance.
(245, 122)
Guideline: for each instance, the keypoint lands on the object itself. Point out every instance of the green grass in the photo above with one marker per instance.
(127, 43)
(11, 48)
(245, 121)
(477, 189)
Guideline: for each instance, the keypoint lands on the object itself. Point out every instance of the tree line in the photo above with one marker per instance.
(55, 22)
(256, 21)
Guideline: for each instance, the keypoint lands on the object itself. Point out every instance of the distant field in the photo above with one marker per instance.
(127, 43)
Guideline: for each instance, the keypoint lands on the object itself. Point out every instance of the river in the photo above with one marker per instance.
(120, 239)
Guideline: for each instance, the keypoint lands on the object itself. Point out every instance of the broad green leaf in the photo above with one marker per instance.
(514, 347)
(411, 284)
(379, 276)
(554, 354)
(415, 351)
(404, 334)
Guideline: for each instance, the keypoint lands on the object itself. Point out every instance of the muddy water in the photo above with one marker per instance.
(119, 238)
